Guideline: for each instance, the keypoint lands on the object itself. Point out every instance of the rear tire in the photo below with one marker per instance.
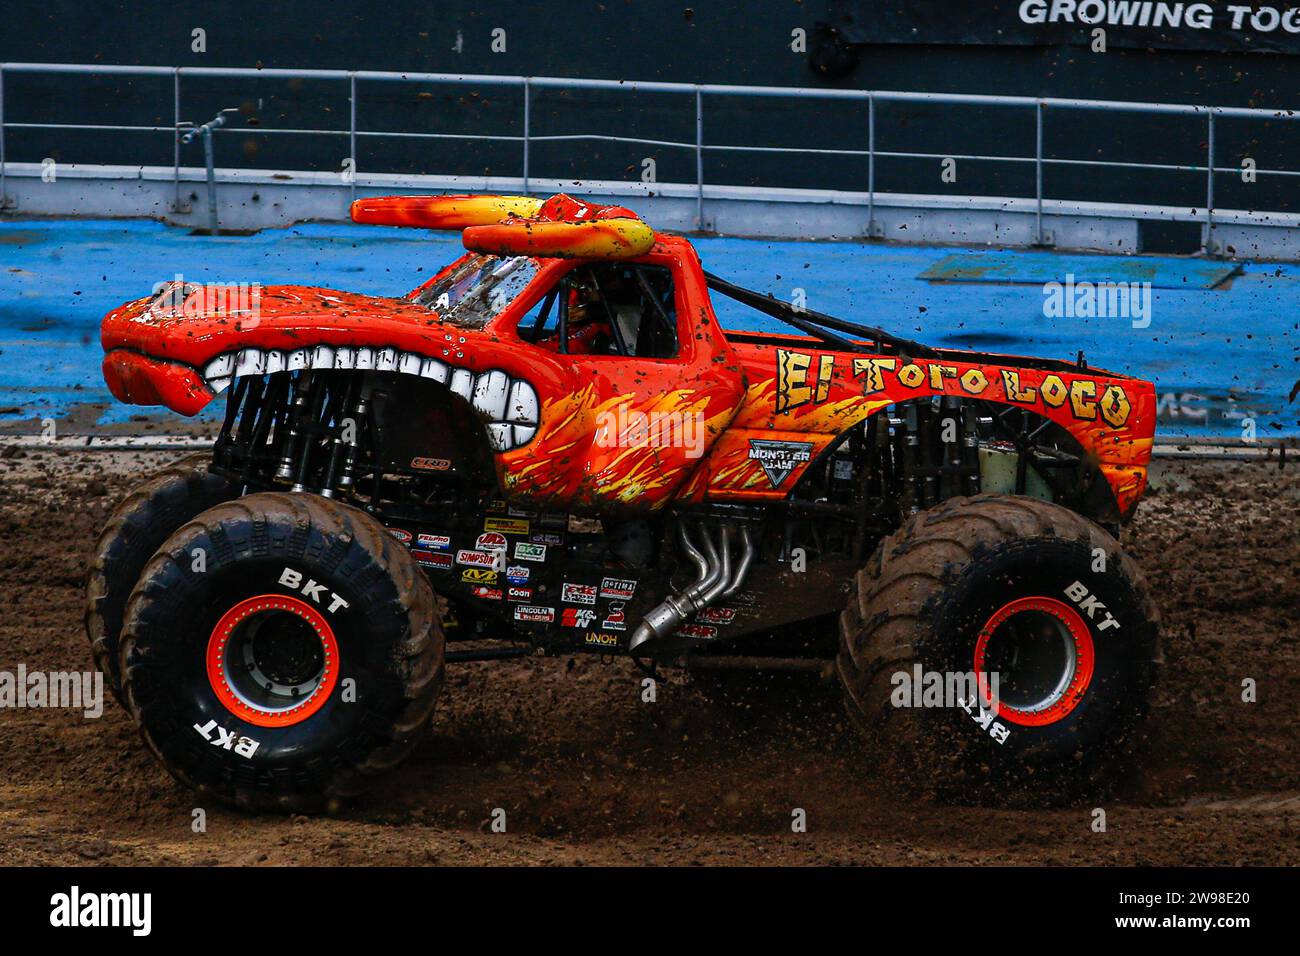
(134, 531)
(1012, 585)
(299, 661)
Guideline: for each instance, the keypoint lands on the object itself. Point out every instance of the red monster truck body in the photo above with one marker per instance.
(565, 440)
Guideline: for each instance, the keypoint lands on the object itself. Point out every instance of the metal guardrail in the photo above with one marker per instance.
(697, 92)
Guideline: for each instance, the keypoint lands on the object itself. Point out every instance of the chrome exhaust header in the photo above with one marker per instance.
(716, 577)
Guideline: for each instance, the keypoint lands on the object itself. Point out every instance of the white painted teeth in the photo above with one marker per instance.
(489, 396)
(462, 382)
(432, 368)
(499, 436)
(221, 366)
(251, 362)
(508, 406)
(521, 407)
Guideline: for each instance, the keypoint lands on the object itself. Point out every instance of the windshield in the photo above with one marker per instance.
(477, 289)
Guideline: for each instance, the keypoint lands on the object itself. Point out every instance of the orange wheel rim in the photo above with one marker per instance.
(1061, 659)
(258, 685)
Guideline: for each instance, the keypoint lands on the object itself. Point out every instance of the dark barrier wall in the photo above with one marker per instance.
(906, 46)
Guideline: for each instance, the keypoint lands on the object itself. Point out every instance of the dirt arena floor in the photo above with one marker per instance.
(589, 774)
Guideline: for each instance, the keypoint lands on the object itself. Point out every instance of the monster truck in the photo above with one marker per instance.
(554, 445)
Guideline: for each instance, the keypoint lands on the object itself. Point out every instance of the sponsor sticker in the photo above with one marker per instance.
(620, 589)
(554, 521)
(440, 541)
(401, 534)
(616, 620)
(431, 464)
(717, 615)
(578, 593)
(506, 525)
(486, 593)
(577, 617)
(779, 458)
(521, 512)
(701, 631)
(600, 640)
(518, 574)
(534, 614)
(545, 537)
(516, 593)
(431, 559)
(491, 541)
(497, 506)
(478, 576)
(524, 551)
(481, 559)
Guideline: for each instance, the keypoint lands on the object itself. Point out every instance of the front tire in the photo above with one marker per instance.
(134, 531)
(1010, 585)
(281, 652)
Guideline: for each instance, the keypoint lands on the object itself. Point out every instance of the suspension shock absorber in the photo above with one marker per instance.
(911, 445)
(970, 449)
(310, 427)
(345, 426)
(297, 407)
(348, 478)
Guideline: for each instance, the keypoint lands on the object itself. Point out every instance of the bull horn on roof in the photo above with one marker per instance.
(614, 238)
(442, 212)
(561, 227)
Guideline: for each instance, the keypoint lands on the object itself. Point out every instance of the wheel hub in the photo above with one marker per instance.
(272, 660)
(1042, 652)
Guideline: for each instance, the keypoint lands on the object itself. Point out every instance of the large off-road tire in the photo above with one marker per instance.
(134, 531)
(281, 651)
(1006, 584)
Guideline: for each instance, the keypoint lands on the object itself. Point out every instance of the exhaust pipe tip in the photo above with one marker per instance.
(640, 636)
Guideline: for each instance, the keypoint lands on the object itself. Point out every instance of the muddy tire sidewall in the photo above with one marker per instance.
(382, 666)
(1053, 569)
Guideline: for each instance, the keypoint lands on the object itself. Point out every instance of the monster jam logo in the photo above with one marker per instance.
(802, 378)
(779, 458)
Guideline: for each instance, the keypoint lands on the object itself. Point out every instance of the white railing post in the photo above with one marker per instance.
(3, 195)
(699, 160)
(1207, 243)
(176, 139)
(871, 165)
(1038, 172)
(528, 106)
(352, 133)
